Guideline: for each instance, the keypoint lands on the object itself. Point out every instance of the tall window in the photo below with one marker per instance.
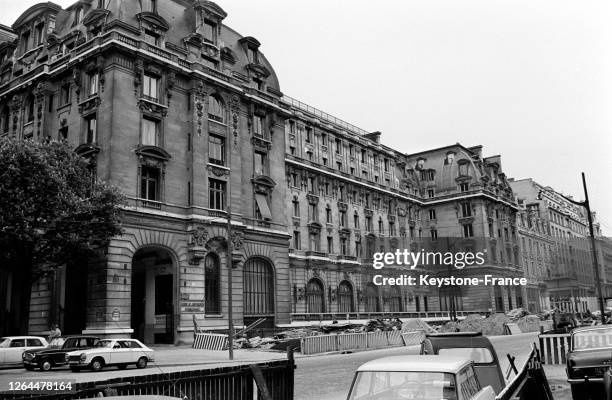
(258, 126)
(297, 242)
(356, 220)
(466, 210)
(328, 215)
(212, 284)
(344, 246)
(5, 117)
(432, 214)
(252, 55)
(345, 297)
(468, 230)
(330, 244)
(150, 86)
(296, 207)
(315, 297)
(91, 126)
(464, 187)
(216, 194)
(258, 284)
(40, 34)
(216, 109)
(150, 132)
(93, 83)
(149, 184)
(368, 226)
(64, 94)
(313, 213)
(313, 239)
(343, 218)
(261, 162)
(30, 109)
(25, 41)
(210, 29)
(216, 150)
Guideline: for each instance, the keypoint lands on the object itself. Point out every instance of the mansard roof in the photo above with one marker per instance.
(34, 11)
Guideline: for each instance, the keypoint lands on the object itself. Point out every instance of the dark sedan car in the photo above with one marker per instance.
(55, 354)
(588, 360)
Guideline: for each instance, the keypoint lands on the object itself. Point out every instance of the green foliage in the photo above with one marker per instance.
(49, 207)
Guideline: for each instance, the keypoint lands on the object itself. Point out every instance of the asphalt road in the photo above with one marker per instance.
(325, 377)
(329, 377)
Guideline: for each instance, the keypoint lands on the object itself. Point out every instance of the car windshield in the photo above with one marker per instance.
(104, 343)
(592, 339)
(403, 385)
(480, 355)
(4, 342)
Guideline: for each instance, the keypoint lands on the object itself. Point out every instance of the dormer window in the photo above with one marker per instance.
(78, 16)
(40, 34)
(148, 6)
(151, 37)
(209, 31)
(25, 41)
(252, 55)
(450, 157)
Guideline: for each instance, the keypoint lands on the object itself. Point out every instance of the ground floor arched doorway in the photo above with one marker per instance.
(153, 295)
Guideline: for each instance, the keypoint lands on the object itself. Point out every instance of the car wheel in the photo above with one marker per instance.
(142, 362)
(75, 369)
(96, 364)
(579, 392)
(122, 366)
(45, 366)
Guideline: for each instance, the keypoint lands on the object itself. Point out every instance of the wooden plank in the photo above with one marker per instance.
(260, 381)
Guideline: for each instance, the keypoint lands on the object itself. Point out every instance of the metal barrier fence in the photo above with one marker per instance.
(210, 341)
(228, 383)
(554, 347)
(358, 341)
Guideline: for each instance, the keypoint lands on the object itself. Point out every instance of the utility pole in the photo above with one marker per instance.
(594, 250)
(230, 266)
(586, 205)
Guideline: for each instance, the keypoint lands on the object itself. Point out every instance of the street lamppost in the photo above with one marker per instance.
(586, 205)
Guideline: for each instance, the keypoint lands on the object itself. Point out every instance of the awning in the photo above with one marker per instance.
(264, 208)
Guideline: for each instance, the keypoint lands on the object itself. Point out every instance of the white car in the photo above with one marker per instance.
(426, 377)
(117, 352)
(12, 347)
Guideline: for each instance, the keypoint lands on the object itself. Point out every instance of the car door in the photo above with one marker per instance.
(120, 353)
(14, 351)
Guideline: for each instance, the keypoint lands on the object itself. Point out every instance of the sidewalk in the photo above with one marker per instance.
(557, 379)
(171, 356)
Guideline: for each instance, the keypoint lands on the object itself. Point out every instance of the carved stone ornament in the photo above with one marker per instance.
(261, 144)
(90, 104)
(152, 108)
(199, 237)
(237, 241)
(217, 171)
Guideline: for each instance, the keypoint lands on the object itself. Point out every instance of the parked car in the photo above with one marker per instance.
(12, 347)
(588, 360)
(107, 352)
(55, 354)
(471, 345)
(418, 377)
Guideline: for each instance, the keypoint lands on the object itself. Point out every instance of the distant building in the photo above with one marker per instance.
(556, 248)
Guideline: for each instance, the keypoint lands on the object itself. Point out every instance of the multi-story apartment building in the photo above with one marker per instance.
(467, 201)
(182, 114)
(564, 263)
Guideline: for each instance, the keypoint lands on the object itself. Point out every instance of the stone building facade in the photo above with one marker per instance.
(183, 115)
(563, 267)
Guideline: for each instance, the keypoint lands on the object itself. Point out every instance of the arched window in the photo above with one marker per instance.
(371, 300)
(315, 297)
(216, 109)
(212, 283)
(345, 297)
(395, 300)
(258, 289)
(5, 120)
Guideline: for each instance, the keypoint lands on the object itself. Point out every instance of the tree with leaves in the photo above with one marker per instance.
(51, 210)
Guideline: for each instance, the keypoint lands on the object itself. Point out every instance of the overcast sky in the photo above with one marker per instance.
(530, 80)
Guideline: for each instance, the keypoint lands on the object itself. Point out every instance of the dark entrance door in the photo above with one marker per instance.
(138, 303)
(163, 308)
(75, 303)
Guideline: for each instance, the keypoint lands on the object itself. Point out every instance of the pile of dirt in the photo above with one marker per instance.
(493, 325)
(529, 323)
